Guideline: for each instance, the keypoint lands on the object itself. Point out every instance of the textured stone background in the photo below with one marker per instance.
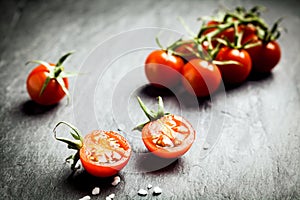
(257, 155)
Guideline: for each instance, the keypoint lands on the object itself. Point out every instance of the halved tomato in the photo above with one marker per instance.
(166, 135)
(102, 153)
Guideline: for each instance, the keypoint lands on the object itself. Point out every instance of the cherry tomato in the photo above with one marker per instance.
(165, 135)
(201, 77)
(52, 94)
(170, 136)
(104, 153)
(163, 69)
(234, 73)
(264, 56)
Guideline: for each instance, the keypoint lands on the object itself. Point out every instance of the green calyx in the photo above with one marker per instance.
(75, 144)
(151, 115)
(56, 73)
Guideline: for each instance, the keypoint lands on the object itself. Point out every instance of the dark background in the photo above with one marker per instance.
(256, 157)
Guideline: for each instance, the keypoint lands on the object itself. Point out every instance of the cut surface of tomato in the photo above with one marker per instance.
(104, 153)
(168, 137)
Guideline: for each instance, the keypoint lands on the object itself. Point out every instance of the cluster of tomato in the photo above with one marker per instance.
(225, 50)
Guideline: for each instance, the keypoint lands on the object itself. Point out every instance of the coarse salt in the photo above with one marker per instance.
(87, 197)
(96, 191)
(116, 181)
(142, 192)
(157, 190)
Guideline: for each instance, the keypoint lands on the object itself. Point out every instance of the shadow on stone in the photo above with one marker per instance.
(151, 163)
(31, 108)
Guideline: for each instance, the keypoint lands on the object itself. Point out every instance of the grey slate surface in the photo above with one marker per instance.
(256, 154)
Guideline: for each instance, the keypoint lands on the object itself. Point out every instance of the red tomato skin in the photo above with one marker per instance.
(53, 92)
(201, 77)
(163, 69)
(165, 153)
(265, 56)
(101, 170)
(233, 73)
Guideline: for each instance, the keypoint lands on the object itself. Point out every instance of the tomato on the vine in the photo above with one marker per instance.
(234, 73)
(102, 153)
(163, 69)
(201, 77)
(47, 83)
(265, 56)
(166, 135)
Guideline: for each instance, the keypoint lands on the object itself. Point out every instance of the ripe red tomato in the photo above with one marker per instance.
(264, 56)
(52, 94)
(170, 136)
(104, 153)
(234, 73)
(163, 69)
(201, 77)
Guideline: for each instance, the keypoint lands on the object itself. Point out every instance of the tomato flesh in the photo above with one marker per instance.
(104, 153)
(168, 137)
(163, 69)
(53, 92)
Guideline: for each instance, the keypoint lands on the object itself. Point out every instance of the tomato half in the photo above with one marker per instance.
(234, 73)
(264, 56)
(201, 77)
(104, 153)
(171, 136)
(52, 94)
(163, 69)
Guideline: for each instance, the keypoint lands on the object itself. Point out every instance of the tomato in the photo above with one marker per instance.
(201, 77)
(166, 135)
(47, 83)
(234, 73)
(163, 69)
(52, 94)
(264, 56)
(170, 136)
(102, 153)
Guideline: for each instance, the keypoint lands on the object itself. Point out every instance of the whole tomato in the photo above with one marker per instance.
(102, 153)
(47, 83)
(52, 93)
(163, 68)
(265, 56)
(201, 77)
(234, 73)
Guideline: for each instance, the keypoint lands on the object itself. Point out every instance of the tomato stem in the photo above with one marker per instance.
(151, 115)
(75, 144)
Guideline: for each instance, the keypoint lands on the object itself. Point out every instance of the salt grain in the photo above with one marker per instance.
(149, 186)
(112, 196)
(142, 192)
(87, 197)
(116, 181)
(96, 191)
(157, 190)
